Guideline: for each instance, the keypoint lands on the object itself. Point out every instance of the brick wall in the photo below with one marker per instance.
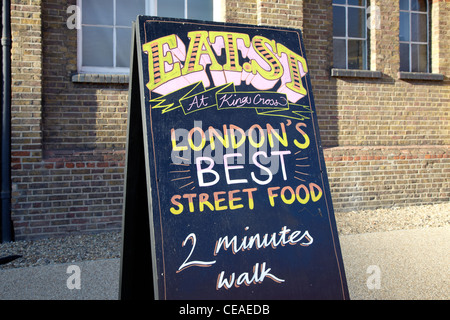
(68, 137)
(241, 11)
(386, 139)
(77, 115)
(374, 177)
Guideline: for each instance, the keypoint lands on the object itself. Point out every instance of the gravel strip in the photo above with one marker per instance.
(62, 250)
(401, 218)
(107, 245)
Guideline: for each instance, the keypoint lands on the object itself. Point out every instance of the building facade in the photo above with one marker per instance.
(381, 87)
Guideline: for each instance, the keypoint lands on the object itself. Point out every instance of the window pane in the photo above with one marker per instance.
(404, 26)
(423, 58)
(404, 4)
(200, 9)
(339, 53)
(171, 8)
(127, 10)
(356, 2)
(355, 54)
(418, 27)
(98, 12)
(338, 21)
(404, 57)
(339, 1)
(123, 47)
(356, 22)
(419, 5)
(418, 58)
(97, 46)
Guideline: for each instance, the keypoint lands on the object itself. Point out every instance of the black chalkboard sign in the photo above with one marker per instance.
(226, 194)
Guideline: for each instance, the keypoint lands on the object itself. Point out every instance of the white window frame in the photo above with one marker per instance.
(346, 37)
(410, 42)
(151, 8)
(101, 70)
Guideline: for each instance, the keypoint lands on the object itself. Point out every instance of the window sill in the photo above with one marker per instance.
(351, 73)
(100, 78)
(420, 76)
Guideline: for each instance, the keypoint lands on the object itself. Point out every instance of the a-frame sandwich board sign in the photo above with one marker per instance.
(226, 193)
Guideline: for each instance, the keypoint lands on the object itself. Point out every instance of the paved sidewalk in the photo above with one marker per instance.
(411, 264)
(99, 281)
